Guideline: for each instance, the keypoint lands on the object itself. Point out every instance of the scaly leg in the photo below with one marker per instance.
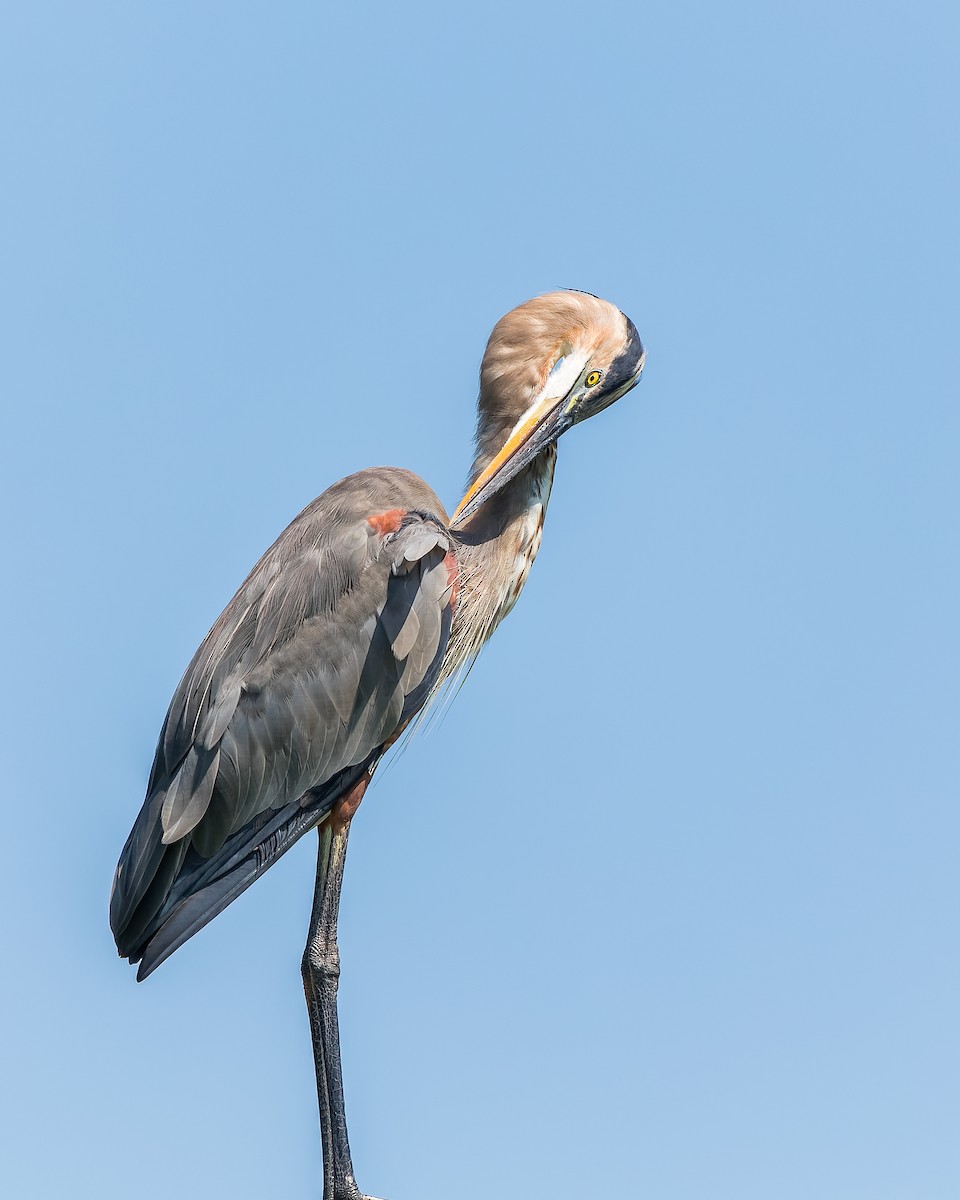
(321, 974)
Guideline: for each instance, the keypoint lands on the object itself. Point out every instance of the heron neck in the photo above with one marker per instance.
(496, 550)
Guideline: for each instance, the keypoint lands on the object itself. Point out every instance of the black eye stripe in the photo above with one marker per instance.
(624, 366)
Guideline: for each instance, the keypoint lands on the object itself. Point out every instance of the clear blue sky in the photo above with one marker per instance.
(668, 906)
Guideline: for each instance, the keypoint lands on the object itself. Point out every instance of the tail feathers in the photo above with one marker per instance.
(140, 864)
(195, 890)
(175, 925)
(131, 934)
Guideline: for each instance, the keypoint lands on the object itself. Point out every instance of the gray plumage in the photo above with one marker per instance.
(332, 642)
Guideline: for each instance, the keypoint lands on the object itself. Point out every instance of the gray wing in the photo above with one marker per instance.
(330, 646)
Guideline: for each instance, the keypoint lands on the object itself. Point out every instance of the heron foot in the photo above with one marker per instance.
(351, 1192)
(347, 1190)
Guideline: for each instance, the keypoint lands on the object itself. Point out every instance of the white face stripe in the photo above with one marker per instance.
(561, 379)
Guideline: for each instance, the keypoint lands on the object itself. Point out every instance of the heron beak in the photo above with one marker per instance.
(542, 424)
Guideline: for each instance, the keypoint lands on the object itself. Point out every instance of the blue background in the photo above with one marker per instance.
(668, 905)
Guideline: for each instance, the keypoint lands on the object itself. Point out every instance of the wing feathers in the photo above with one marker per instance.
(328, 648)
(216, 720)
(187, 798)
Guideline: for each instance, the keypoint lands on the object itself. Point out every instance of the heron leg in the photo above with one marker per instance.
(321, 974)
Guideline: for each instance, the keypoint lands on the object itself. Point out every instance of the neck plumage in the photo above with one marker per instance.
(495, 552)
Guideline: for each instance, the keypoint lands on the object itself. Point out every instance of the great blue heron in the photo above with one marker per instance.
(337, 638)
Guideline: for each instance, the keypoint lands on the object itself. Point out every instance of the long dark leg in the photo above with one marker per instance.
(321, 974)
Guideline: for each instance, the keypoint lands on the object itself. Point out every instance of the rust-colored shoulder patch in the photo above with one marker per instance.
(387, 522)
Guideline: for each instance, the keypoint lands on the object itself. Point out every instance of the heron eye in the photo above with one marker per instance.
(592, 379)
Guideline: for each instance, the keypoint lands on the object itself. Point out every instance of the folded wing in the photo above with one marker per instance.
(327, 650)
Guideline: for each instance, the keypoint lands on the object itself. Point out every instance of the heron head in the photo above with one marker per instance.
(549, 364)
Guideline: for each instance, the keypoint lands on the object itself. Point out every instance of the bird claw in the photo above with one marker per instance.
(353, 1193)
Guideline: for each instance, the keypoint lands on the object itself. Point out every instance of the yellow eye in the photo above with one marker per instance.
(592, 379)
